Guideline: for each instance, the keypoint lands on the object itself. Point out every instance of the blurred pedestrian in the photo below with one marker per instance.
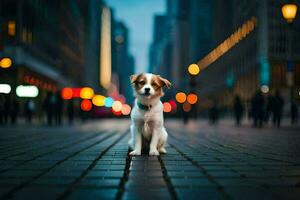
(238, 109)
(70, 111)
(49, 105)
(29, 109)
(214, 113)
(294, 113)
(257, 109)
(14, 111)
(58, 108)
(269, 108)
(277, 108)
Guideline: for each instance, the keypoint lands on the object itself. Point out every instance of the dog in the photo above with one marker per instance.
(147, 122)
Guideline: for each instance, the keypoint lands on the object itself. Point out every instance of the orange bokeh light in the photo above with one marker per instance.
(192, 98)
(67, 93)
(126, 109)
(186, 107)
(167, 107)
(86, 105)
(86, 93)
(117, 106)
(180, 97)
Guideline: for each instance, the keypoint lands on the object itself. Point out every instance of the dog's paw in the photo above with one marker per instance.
(162, 150)
(153, 152)
(135, 153)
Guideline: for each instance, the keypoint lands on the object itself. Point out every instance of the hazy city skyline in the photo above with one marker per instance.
(138, 17)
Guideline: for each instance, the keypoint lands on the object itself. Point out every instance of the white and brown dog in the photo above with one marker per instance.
(147, 122)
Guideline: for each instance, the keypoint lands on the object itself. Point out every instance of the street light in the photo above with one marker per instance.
(5, 63)
(194, 69)
(289, 12)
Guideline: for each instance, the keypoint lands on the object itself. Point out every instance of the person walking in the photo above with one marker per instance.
(257, 109)
(238, 109)
(277, 109)
(49, 106)
(58, 108)
(294, 113)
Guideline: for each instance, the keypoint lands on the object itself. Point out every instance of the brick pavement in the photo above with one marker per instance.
(203, 162)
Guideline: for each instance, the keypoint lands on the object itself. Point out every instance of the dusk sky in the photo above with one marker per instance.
(138, 15)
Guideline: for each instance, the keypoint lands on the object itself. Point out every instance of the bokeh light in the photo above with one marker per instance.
(289, 12)
(186, 107)
(98, 100)
(264, 89)
(5, 63)
(27, 91)
(67, 93)
(117, 106)
(86, 93)
(5, 88)
(86, 105)
(167, 107)
(173, 104)
(108, 102)
(194, 69)
(192, 98)
(180, 97)
(126, 109)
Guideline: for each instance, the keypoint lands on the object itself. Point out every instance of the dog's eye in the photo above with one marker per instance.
(154, 84)
(142, 82)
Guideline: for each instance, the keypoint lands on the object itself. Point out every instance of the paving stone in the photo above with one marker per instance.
(192, 182)
(199, 193)
(92, 194)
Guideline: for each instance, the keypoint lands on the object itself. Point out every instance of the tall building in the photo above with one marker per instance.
(123, 62)
(46, 42)
(259, 58)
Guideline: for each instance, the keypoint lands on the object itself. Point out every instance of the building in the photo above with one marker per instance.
(123, 61)
(256, 60)
(46, 42)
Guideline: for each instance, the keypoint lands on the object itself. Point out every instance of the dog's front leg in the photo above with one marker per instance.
(138, 144)
(153, 145)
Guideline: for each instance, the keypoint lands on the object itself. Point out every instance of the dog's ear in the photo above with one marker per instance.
(165, 82)
(133, 78)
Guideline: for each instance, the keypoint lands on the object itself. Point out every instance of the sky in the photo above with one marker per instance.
(138, 16)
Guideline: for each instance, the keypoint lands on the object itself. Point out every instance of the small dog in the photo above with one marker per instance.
(147, 123)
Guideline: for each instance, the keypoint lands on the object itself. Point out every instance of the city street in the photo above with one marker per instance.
(91, 161)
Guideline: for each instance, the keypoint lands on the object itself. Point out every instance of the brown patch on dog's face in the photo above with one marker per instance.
(138, 80)
(158, 83)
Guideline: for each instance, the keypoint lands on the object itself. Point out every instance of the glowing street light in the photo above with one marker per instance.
(98, 100)
(167, 107)
(5, 63)
(67, 93)
(5, 88)
(126, 109)
(180, 97)
(192, 98)
(86, 105)
(86, 93)
(289, 12)
(27, 91)
(117, 106)
(194, 69)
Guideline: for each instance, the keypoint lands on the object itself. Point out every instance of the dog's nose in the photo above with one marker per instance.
(147, 90)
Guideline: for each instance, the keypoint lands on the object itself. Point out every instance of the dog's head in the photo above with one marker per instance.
(148, 86)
